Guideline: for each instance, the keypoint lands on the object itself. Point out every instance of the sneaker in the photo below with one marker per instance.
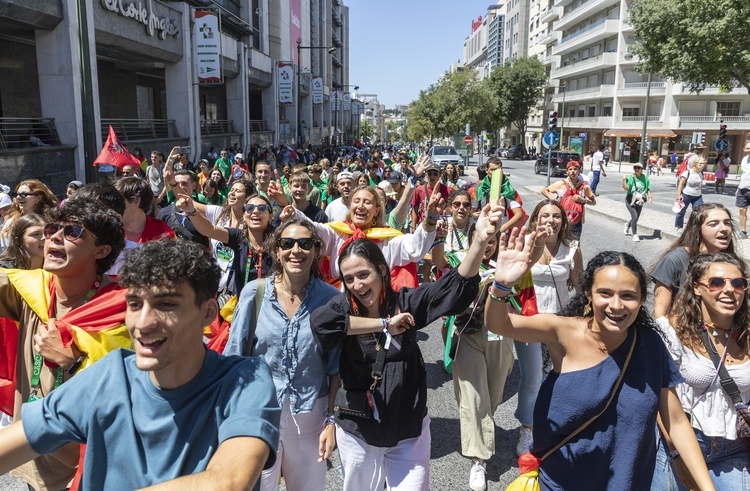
(636, 238)
(627, 228)
(477, 478)
(743, 235)
(525, 438)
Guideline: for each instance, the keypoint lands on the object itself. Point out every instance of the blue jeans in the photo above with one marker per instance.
(693, 201)
(595, 181)
(727, 461)
(577, 229)
(530, 363)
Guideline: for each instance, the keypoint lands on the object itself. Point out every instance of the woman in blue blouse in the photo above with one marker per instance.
(306, 380)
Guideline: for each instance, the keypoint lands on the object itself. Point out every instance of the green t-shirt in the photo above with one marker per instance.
(225, 166)
(196, 197)
(638, 184)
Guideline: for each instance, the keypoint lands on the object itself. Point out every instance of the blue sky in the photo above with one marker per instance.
(398, 48)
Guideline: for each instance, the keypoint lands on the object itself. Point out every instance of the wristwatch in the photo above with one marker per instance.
(76, 364)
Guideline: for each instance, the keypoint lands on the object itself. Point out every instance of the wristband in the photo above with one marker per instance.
(328, 422)
(500, 299)
(434, 219)
(385, 322)
(76, 364)
(191, 213)
(430, 223)
(501, 287)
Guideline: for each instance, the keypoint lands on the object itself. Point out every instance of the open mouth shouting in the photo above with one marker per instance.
(149, 345)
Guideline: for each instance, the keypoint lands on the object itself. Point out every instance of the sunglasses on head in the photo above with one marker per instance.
(715, 284)
(23, 195)
(250, 207)
(70, 232)
(287, 243)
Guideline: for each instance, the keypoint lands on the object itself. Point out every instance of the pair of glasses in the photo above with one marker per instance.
(251, 207)
(70, 232)
(716, 284)
(287, 243)
(460, 204)
(23, 195)
(433, 173)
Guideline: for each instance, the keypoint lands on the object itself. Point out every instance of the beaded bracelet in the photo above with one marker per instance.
(328, 422)
(430, 223)
(433, 218)
(501, 299)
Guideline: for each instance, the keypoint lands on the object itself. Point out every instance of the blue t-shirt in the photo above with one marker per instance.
(138, 435)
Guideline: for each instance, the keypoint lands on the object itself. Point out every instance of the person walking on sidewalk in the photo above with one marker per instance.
(690, 188)
(572, 188)
(742, 196)
(638, 189)
(597, 169)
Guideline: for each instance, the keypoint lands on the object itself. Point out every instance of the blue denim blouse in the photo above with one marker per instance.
(300, 370)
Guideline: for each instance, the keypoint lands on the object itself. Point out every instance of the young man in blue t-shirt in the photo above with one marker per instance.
(171, 413)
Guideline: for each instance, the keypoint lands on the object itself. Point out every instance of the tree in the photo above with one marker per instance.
(518, 89)
(696, 42)
(366, 130)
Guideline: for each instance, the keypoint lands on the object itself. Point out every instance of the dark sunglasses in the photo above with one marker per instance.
(716, 284)
(460, 204)
(23, 195)
(250, 207)
(70, 232)
(433, 173)
(287, 243)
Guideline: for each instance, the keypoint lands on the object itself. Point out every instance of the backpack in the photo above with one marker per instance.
(573, 209)
(683, 166)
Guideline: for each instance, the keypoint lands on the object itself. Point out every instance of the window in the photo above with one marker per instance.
(581, 113)
(607, 110)
(631, 111)
(572, 113)
(728, 108)
(592, 111)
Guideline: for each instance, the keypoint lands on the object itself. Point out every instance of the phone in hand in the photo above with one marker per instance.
(182, 150)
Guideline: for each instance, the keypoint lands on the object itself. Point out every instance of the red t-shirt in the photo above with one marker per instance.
(422, 196)
(154, 229)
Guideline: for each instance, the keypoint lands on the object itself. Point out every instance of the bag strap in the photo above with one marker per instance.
(259, 293)
(727, 383)
(609, 401)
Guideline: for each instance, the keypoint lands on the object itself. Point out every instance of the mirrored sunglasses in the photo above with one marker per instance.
(250, 207)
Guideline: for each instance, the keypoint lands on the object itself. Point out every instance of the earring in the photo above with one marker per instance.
(587, 308)
(382, 294)
(355, 309)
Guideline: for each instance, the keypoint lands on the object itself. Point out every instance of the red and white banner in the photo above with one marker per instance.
(114, 152)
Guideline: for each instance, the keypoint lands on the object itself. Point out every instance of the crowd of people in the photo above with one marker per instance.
(262, 307)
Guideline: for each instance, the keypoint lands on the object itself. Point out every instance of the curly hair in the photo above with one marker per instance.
(565, 235)
(379, 219)
(370, 252)
(270, 245)
(456, 193)
(577, 304)
(104, 194)
(166, 262)
(226, 210)
(103, 223)
(686, 314)
(16, 253)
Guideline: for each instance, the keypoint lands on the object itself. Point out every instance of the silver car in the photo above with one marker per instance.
(445, 154)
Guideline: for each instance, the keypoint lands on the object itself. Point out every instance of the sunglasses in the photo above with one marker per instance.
(23, 195)
(287, 243)
(433, 173)
(460, 204)
(251, 207)
(716, 284)
(70, 232)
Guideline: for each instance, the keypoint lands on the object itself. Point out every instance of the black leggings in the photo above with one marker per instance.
(635, 213)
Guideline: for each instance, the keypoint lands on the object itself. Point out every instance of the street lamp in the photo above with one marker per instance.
(331, 50)
(562, 118)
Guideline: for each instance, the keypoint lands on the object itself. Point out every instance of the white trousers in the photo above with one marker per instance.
(405, 467)
(297, 455)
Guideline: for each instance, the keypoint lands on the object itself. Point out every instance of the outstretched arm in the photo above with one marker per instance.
(14, 448)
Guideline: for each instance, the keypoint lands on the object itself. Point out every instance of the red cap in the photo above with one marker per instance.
(573, 163)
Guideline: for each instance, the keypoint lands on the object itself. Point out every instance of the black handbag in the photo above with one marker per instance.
(361, 403)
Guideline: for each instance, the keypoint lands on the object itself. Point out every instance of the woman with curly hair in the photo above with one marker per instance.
(30, 196)
(611, 375)
(710, 320)
(26, 248)
(452, 178)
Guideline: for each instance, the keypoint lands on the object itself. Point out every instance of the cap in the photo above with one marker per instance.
(386, 155)
(433, 166)
(77, 184)
(239, 156)
(637, 164)
(5, 201)
(344, 174)
(386, 186)
(203, 160)
(573, 163)
(395, 177)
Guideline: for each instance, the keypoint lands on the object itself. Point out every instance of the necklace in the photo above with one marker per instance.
(714, 329)
(548, 254)
(602, 347)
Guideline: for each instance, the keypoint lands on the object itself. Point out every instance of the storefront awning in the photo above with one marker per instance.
(631, 133)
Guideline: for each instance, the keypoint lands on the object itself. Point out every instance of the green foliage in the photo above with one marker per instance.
(697, 42)
(518, 89)
(366, 130)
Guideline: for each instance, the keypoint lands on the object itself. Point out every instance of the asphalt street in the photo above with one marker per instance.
(449, 470)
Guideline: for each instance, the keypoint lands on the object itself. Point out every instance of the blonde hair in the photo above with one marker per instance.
(379, 220)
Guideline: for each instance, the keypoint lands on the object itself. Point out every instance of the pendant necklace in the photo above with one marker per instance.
(717, 331)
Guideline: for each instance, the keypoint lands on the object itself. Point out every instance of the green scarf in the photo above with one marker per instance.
(506, 190)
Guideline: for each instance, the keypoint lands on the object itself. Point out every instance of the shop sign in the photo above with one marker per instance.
(317, 90)
(347, 101)
(138, 12)
(207, 45)
(286, 83)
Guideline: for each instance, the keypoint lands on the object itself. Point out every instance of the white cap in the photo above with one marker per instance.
(239, 156)
(5, 201)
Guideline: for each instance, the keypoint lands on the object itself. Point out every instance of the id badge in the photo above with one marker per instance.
(491, 336)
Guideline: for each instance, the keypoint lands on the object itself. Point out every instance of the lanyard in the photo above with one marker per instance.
(38, 360)
(253, 260)
(454, 232)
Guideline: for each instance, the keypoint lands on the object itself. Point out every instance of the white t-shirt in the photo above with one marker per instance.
(223, 253)
(336, 211)
(693, 182)
(596, 161)
(745, 177)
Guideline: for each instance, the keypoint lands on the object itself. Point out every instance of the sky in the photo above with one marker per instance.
(397, 48)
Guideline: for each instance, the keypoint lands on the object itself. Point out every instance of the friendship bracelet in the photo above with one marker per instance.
(501, 287)
(430, 223)
(433, 218)
(500, 299)
(328, 422)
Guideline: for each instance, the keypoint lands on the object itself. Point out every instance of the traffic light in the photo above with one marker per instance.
(701, 139)
(723, 132)
(552, 122)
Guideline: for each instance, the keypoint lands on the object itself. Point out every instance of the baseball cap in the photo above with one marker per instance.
(573, 163)
(386, 155)
(344, 174)
(76, 184)
(637, 164)
(386, 186)
(5, 201)
(433, 166)
(239, 156)
(395, 177)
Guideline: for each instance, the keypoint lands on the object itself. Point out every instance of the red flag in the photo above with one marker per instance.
(115, 153)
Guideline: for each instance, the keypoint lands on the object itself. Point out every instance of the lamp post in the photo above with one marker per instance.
(331, 49)
(645, 117)
(562, 118)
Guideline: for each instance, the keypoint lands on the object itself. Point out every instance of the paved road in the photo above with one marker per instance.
(449, 471)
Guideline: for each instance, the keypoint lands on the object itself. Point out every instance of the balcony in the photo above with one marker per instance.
(580, 122)
(598, 92)
(336, 18)
(584, 11)
(638, 89)
(27, 132)
(548, 38)
(590, 34)
(549, 15)
(602, 60)
(217, 127)
(563, 3)
(713, 90)
(712, 122)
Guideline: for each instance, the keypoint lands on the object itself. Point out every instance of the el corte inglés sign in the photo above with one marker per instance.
(139, 13)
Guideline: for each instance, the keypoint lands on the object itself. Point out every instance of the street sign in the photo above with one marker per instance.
(583, 135)
(551, 139)
(722, 145)
(468, 140)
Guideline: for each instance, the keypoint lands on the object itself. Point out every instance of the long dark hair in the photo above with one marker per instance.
(226, 211)
(577, 304)
(686, 313)
(370, 252)
(273, 238)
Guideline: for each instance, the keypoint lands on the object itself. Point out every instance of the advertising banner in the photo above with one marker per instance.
(286, 84)
(347, 101)
(317, 90)
(296, 28)
(207, 46)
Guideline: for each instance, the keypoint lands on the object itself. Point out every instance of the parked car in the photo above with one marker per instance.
(559, 161)
(516, 152)
(444, 154)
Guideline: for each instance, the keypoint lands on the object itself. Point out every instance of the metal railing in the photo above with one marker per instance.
(586, 29)
(140, 129)
(644, 85)
(714, 119)
(217, 127)
(257, 125)
(651, 119)
(27, 133)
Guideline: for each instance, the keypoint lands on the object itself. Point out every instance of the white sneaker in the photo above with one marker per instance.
(636, 238)
(525, 439)
(627, 228)
(477, 478)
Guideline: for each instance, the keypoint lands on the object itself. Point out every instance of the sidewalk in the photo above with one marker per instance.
(654, 223)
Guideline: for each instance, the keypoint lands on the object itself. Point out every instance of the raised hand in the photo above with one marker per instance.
(184, 203)
(490, 218)
(436, 204)
(514, 260)
(418, 167)
(287, 213)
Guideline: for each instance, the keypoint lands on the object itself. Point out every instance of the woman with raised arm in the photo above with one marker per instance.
(381, 361)
(595, 415)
